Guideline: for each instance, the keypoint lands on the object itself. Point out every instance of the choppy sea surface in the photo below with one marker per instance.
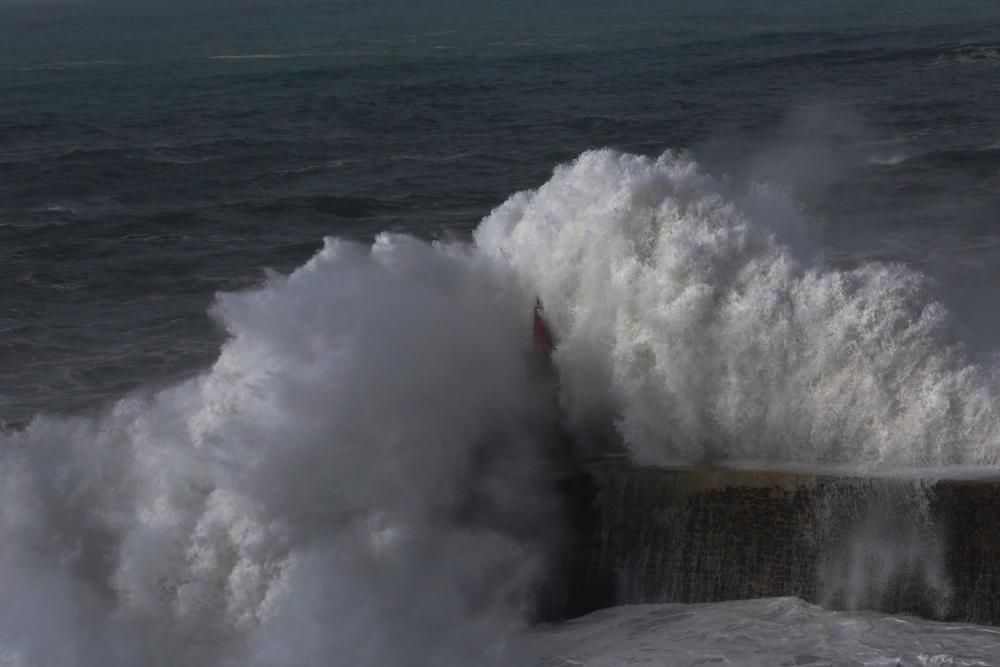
(266, 279)
(151, 157)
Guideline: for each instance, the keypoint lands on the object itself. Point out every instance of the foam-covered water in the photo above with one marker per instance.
(782, 631)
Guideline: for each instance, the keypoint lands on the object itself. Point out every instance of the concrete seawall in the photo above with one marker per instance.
(927, 547)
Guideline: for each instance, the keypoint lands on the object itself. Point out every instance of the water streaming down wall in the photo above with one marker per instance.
(926, 547)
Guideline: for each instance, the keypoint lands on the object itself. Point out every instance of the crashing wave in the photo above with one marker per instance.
(360, 474)
(700, 320)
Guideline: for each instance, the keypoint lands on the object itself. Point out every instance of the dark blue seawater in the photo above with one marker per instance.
(150, 158)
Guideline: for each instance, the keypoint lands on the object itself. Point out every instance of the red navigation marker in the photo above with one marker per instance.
(542, 333)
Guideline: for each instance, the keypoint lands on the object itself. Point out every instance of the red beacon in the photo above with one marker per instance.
(542, 334)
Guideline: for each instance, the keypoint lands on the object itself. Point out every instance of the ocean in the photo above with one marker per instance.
(267, 273)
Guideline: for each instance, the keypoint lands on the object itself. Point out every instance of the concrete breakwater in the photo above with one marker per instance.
(929, 547)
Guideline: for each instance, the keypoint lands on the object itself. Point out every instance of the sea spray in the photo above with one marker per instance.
(882, 546)
(688, 312)
(357, 476)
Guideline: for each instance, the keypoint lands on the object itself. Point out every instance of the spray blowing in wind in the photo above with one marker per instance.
(362, 473)
(684, 315)
(356, 476)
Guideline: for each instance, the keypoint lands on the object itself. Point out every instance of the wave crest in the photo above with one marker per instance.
(697, 317)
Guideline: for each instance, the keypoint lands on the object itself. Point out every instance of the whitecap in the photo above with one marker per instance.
(258, 56)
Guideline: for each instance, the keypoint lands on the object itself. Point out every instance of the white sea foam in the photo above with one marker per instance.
(352, 479)
(782, 631)
(258, 56)
(889, 160)
(700, 319)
